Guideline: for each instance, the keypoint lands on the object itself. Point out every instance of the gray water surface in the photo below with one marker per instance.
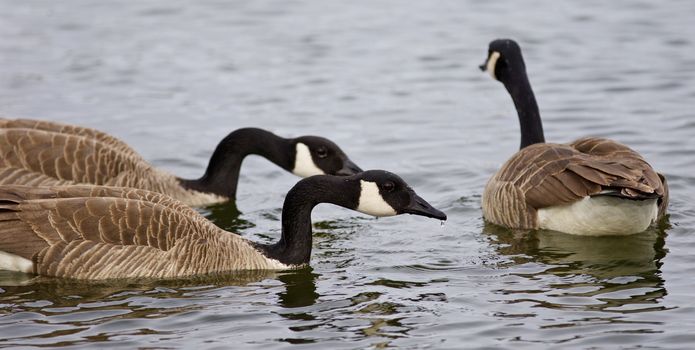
(396, 84)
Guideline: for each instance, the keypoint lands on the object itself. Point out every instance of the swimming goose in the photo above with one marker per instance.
(98, 232)
(592, 186)
(42, 153)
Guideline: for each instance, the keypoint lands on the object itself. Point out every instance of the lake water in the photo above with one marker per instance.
(396, 84)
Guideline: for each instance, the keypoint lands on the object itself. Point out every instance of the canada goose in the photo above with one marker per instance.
(42, 153)
(592, 186)
(98, 232)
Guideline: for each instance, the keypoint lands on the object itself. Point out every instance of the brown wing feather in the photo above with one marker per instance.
(64, 215)
(62, 156)
(12, 175)
(45, 158)
(60, 128)
(18, 193)
(71, 159)
(109, 232)
(545, 175)
(643, 178)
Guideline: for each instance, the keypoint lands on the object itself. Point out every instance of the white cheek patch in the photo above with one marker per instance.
(303, 163)
(371, 201)
(491, 63)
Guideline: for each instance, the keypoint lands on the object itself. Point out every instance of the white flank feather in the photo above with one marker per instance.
(13, 262)
(600, 216)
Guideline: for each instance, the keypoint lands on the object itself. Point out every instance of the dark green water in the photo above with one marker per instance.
(395, 84)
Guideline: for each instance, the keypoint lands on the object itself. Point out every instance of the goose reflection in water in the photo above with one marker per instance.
(300, 288)
(617, 274)
(300, 285)
(300, 299)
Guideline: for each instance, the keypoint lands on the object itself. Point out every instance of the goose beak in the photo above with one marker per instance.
(349, 168)
(483, 67)
(419, 206)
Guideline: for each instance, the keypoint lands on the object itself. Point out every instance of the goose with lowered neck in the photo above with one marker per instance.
(592, 186)
(47, 153)
(96, 232)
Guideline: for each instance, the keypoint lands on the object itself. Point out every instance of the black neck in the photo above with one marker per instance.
(222, 174)
(526, 107)
(294, 247)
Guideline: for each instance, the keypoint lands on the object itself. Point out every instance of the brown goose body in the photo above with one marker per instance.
(98, 232)
(43, 157)
(94, 232)
(546, 175)
(67, 129)
(592, 186)
(42, 153)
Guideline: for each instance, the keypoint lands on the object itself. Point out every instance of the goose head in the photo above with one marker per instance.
(303, 156)
(382, 193)
(506, 65)
(314, 155)
(373, 192)
(504, 60)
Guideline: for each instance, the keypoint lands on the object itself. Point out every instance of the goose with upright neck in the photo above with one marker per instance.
(592, 186)
(43, 153)
(96, 232)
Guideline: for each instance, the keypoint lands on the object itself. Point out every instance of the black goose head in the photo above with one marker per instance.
(314, 155)
(504, 60)
(382, 193)
(506, 65)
